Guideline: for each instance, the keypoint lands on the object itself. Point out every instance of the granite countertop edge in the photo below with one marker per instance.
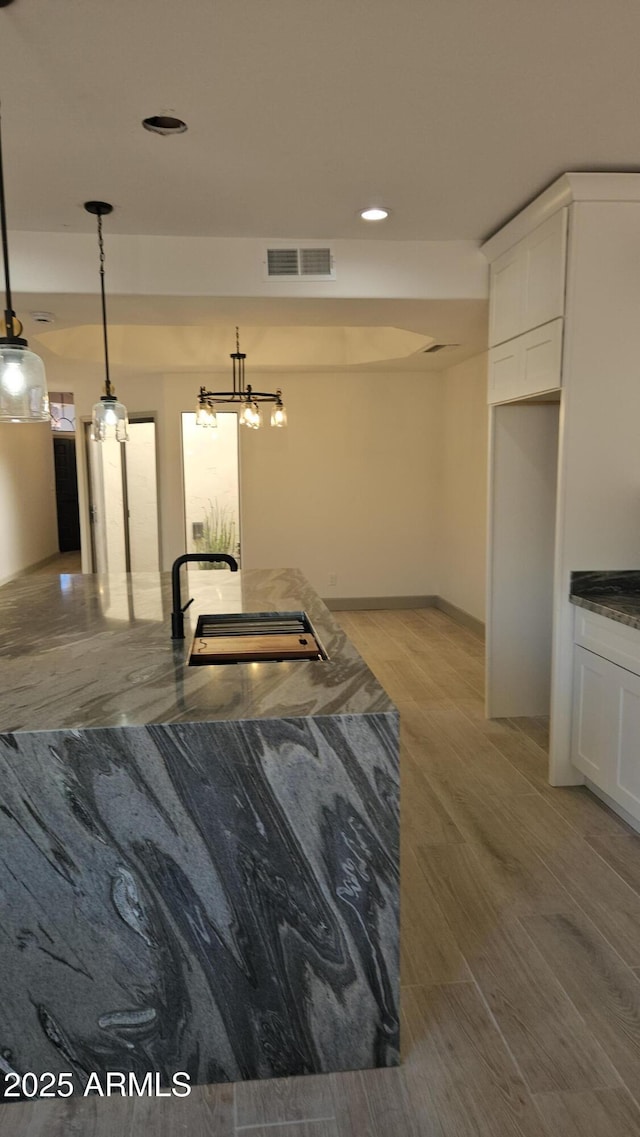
(614, 594)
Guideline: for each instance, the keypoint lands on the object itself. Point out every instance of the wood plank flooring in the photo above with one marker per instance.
(520, 952)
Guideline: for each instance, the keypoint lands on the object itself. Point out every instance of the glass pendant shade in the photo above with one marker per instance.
(23, 385)
(250, 415)
(206, 415)
(279, 413)
(109, 420)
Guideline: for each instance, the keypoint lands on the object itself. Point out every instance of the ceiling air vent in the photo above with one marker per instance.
(300, 264)
(439, 347)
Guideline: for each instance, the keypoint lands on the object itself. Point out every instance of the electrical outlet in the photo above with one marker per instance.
(333, 579)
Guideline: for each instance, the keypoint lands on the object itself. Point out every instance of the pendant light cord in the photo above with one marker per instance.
(104, 309)
(5, 247)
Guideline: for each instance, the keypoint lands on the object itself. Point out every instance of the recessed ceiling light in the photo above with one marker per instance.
(164, 124)
(375, 213)
(43, 317)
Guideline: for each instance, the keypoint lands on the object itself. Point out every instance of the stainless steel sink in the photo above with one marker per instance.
(254, 637)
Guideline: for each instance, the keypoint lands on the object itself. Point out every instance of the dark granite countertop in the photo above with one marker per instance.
(614, 594)
(87, 651)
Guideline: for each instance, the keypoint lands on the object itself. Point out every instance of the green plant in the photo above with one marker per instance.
(218, 533)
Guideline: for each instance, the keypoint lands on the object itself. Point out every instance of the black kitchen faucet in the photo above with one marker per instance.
(177, 616)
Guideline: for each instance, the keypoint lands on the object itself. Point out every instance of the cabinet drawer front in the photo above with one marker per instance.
(609, 638)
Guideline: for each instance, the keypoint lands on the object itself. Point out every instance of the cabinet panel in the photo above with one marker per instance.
(504, 371)
(605, 735)
(545, 271)
(507, 295)
(626, 788)
(527, 282)
(527, 365)
(592, 742)
(541, 366)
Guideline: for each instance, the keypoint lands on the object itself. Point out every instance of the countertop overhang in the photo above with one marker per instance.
(83, 651)
(614, 594)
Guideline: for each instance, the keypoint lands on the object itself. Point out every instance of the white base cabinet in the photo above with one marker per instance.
(606, 726)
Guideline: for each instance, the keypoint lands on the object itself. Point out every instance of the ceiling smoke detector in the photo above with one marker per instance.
(164, 124)
(42, 317)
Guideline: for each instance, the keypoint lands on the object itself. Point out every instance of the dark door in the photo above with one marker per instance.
(64, 456)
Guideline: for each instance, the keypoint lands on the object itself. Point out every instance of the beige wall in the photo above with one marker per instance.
(349, 488)
(353, 484)
(378, 479)
(464, 486)
(28, 524)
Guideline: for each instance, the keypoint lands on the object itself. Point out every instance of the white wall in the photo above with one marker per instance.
(234, 266)
(463, 513)
(28, 526)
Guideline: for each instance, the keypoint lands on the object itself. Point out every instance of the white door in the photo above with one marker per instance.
(124, 501)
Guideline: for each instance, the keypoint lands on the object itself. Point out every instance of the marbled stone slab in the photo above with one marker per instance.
(87, 651)
(615, 595)
(219, 898)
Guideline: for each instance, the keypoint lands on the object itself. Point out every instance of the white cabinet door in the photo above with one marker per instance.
(546, 252)
(527, 365)
(626, 769)
(527, 282)
(605, 735)
(507, 294)
(592, 735)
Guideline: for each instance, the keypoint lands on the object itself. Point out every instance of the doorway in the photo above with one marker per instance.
(67, 507)
(123, 500)
(211, 486)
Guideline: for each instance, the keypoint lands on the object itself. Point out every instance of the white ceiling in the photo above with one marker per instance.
(300, 112)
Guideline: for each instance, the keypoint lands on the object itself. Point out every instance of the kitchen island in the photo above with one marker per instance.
(199, 865)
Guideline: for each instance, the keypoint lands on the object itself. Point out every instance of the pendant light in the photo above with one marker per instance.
(242, 396)
(109, 417)
(23, 384)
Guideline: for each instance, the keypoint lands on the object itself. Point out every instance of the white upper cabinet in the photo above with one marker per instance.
(527, 282)
(527, 365)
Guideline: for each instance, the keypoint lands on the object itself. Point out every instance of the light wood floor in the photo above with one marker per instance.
(521, 942)
(63, 563)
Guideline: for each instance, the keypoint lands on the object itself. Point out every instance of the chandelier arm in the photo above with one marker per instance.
(238, 396)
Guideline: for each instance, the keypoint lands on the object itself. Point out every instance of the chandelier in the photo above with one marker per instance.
(109, 417)
(23, 385)
(242, 396)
